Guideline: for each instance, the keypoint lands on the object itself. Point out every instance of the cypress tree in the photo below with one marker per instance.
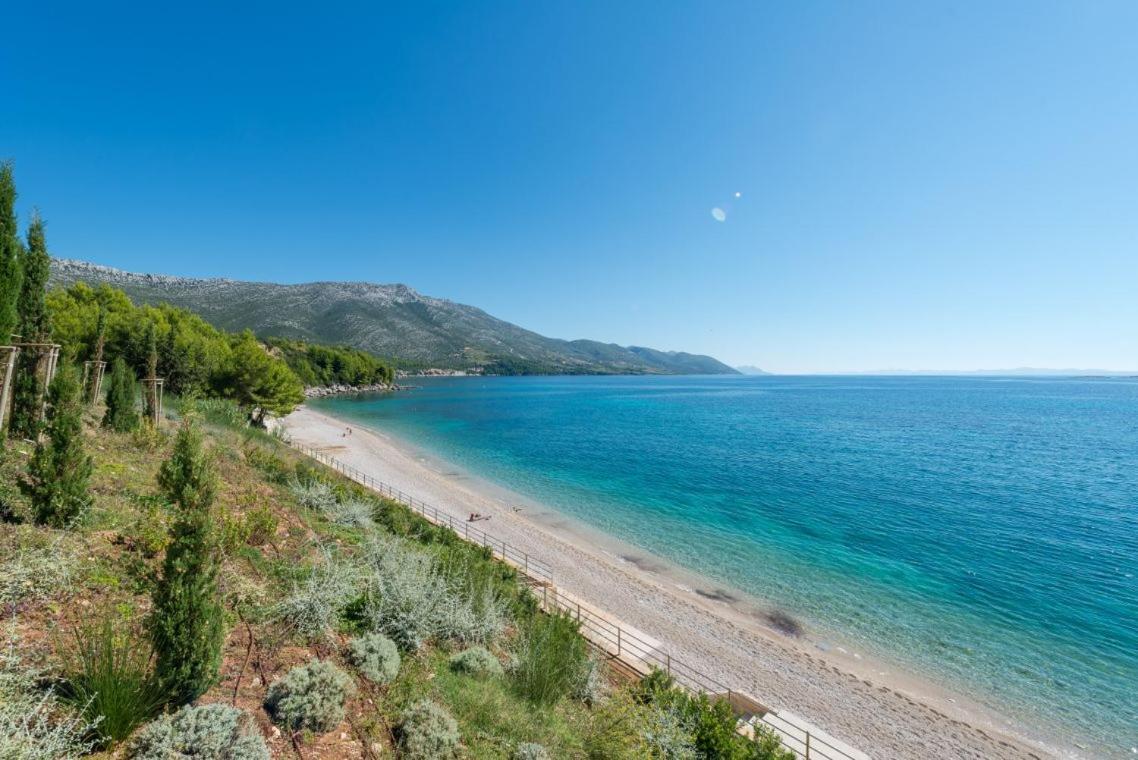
(121, 414)
(60, 468)
(186, 623)
(27, 396)
(11, 271)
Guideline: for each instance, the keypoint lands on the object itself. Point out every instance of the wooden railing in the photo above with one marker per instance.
(629, 648)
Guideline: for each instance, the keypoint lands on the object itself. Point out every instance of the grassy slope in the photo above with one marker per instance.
(116, 554)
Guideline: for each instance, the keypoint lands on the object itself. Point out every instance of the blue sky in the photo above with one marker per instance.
(924, 185)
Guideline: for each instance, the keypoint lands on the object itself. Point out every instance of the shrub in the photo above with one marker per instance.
(33, 724)
(410, 599)
(207, 732)
(313, 494)
(375, 656)
(592, 688)
(60, 469)
(260, 526)
(427, 731)
(122, 413)
(351, 514)
(107, 675)
(530, 751)
(314, 605)
(708, 724)
(476, 661)
(311, 696)
(33, 573)
(186, 623)
(551, 659)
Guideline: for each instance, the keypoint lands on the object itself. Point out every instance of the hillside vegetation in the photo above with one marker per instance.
(386, 320)
(185, 586)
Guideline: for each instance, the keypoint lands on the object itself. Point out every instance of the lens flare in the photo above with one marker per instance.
(719, 214)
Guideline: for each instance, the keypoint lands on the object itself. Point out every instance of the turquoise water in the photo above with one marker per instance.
(983, 530)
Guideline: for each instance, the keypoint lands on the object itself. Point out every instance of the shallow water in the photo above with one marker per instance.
(982, 530)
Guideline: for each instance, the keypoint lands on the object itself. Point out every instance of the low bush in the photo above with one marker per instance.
(428, 731)
(530, 751)
(709, 725)
(309, 697)
(313, 494)
(351, 514)
(593, 687)
(314, 606)
(207, 732)
(476, 661)
(411, 600)
(32, 572)
(551, 659)
(375, 656)
(33, 724)
(108, 675)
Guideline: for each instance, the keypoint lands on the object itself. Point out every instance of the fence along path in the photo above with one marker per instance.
(629, 649)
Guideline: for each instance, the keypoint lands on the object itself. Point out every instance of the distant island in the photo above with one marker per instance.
(391, 321)
(751, 369)
(1017, 372)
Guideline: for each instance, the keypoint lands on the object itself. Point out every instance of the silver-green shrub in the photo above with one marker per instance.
(314, 605)
(409, 598)
(33, 724)
(476, 661)
(313, 494)
(33, 572)
(208, 732)
(351, 514)
(427, 731)
(530, 751)
(375, 656)
(592, 688)
(311, 696)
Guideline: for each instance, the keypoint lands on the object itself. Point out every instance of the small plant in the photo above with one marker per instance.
(108, 676)
(476, 661)
(314, 605)
(313, 494)
(551, 660)
(260, 526)
(428, 731)
(122, 412)
(592, 688)
(60, 469)
(32, 573)
(530, 751)
(33, 724)
(351, 514)
(375, 656)
(310, 697)
(206, 732)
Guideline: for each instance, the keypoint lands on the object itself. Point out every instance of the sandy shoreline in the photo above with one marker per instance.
(869, 706)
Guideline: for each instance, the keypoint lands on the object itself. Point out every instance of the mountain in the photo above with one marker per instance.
(750, 369)
(388, 320)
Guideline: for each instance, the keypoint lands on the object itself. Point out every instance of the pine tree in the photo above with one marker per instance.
(27, 396)
(60, 468)
(186, 623)
(11, 271)
(121, 414)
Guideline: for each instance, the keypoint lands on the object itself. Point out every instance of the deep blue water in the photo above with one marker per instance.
(983, 530)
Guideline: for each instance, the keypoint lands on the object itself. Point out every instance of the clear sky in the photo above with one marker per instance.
(924, 185)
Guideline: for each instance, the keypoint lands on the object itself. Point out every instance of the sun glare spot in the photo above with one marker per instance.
(719, 214)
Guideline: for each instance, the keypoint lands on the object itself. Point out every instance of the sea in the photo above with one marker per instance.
(980, 531)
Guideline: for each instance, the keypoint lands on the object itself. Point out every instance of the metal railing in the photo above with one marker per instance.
(631, 650)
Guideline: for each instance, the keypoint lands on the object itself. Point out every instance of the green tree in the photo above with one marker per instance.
(60, 468)
(32, 325)
(186, 622)
(259, 381)
(121, 414)
(11, 271)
